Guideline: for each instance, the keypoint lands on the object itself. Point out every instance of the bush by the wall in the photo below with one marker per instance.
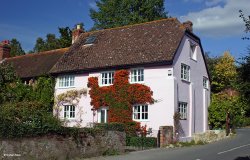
(26, 119)
(111, 126)
(141, 141)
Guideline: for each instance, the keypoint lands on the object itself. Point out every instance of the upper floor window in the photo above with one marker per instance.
(182, 109)
(140, 112)
(193, 51)
(107, 78)
(67, 81)
(137, 75)
(69, 111)
(205, 82)
(185, 72)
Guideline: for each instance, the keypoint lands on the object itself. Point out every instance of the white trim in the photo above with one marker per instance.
(140, 112)
(68, 112)
(108, 72)
(187, 79)
(190, 109)
(204, 110)
(130, 75)
(105, 109)
(62, 80)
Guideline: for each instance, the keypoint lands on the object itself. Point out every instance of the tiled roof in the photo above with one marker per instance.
(145, 43)
(33, 65)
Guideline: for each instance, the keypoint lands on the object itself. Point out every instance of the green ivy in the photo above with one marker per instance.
(141, 141)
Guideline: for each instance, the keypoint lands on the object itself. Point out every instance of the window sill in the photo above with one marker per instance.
(69, 119)
(186, 81)
(66, 87)
(105, 85)
(137, 120)
(193, 59)
(142, 82)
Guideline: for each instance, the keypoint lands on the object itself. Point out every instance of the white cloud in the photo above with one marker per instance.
(213, 2)
(218, 21)
(92, 4)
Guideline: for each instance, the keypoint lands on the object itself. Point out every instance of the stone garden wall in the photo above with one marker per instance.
(60, 147)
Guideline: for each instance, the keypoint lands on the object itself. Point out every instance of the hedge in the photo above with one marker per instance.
(141, 141)
(26, 119)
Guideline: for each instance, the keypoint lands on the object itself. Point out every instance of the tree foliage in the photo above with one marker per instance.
(114, 13)
(224, 73)
(16, 48)
(223, 103)
(52, 42)
(246, 20)
(13, 90)
(244, 80)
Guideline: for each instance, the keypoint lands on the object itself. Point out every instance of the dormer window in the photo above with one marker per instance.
(90, 40)
(193, 54)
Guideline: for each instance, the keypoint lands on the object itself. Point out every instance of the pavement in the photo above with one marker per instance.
(233, 148)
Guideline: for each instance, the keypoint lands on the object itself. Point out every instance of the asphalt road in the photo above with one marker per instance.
(235, 148)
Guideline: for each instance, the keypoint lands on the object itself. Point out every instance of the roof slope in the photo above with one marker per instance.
(151, 42)
(33, 65)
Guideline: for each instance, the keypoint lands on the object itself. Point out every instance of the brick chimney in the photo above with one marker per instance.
(188, 25)
(77, 32)
(4, 49)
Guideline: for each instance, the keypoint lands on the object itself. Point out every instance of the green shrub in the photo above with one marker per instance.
(141, 141)
(246, 121)
(111, 126)
(26, 119)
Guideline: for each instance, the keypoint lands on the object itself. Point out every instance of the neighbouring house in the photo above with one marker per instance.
(30, 66)
(165, 55)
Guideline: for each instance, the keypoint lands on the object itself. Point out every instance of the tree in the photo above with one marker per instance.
(223, 103)
(114, 13)
(224, 75)
(16, 48)
(65, 39)
(52, 42)
(244, 79)
(247, 23)
(40, 45)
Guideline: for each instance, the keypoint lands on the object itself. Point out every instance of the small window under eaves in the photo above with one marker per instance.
(90, 40)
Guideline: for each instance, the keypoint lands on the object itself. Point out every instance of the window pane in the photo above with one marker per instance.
(102, 116)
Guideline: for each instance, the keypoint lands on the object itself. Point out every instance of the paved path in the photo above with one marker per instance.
(235, 148)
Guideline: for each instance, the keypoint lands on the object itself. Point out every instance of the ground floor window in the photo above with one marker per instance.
(182, 109)
(140, 112)
(102, 115)
(69, 111)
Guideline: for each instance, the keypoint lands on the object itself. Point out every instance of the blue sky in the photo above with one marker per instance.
(216, 22)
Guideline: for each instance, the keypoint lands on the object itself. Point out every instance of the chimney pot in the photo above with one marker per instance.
(4, 49)
(188, 25)
(77, 32)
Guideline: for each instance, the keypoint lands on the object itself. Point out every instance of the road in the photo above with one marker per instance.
(235, 148)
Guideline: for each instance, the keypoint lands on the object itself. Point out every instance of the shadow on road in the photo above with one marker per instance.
(242, 158)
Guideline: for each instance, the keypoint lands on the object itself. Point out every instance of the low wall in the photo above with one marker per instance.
(60, 148)
(210, 136)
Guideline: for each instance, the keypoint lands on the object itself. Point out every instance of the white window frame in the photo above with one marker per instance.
(185, 72)
(140, 112)
(102, 110)
(205, 82)
(137, 75)
(182, 109)
(69, 112)
(193, 48)
(109, 78)
(66, 81)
